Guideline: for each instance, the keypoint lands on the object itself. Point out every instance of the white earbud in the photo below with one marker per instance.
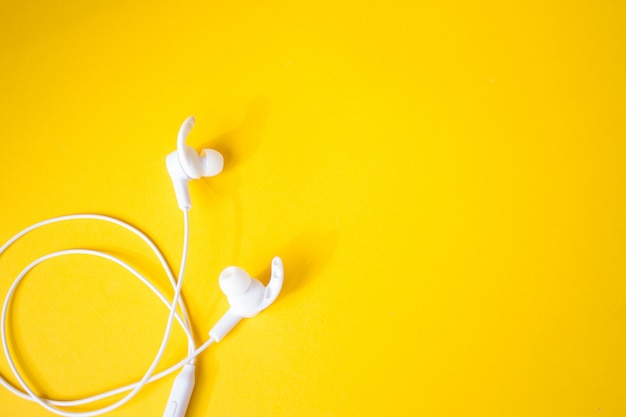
(247, 296)
(185, 164)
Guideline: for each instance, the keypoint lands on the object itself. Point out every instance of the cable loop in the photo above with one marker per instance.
(57, 406)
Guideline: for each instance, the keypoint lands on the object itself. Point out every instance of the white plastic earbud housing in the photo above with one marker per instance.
(247, 296)
(185, 164)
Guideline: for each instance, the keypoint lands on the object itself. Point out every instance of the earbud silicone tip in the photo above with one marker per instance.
(234, 281)
(212, 162)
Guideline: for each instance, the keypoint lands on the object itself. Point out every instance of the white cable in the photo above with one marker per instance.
(56, 406)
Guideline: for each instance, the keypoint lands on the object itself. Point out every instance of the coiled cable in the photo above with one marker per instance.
(60, 406)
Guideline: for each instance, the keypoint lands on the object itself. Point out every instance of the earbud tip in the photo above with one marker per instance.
(212, 162)
(234, 281)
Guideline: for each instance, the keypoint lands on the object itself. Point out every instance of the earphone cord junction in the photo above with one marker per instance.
(56, 406)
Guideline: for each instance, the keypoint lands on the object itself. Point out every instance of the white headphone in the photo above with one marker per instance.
(247, 296)
(185, 164)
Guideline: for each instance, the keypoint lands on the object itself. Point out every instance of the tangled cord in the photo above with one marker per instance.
(57, 406)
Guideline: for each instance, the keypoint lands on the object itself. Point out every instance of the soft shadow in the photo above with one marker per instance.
(304, 257)
(240, 144)
(236, 146)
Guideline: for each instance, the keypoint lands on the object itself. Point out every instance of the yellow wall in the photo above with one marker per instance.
(445, 182)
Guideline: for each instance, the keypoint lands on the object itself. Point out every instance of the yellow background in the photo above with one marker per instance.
(445, 181)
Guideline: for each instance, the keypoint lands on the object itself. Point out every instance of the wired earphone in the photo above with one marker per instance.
(247, 296)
